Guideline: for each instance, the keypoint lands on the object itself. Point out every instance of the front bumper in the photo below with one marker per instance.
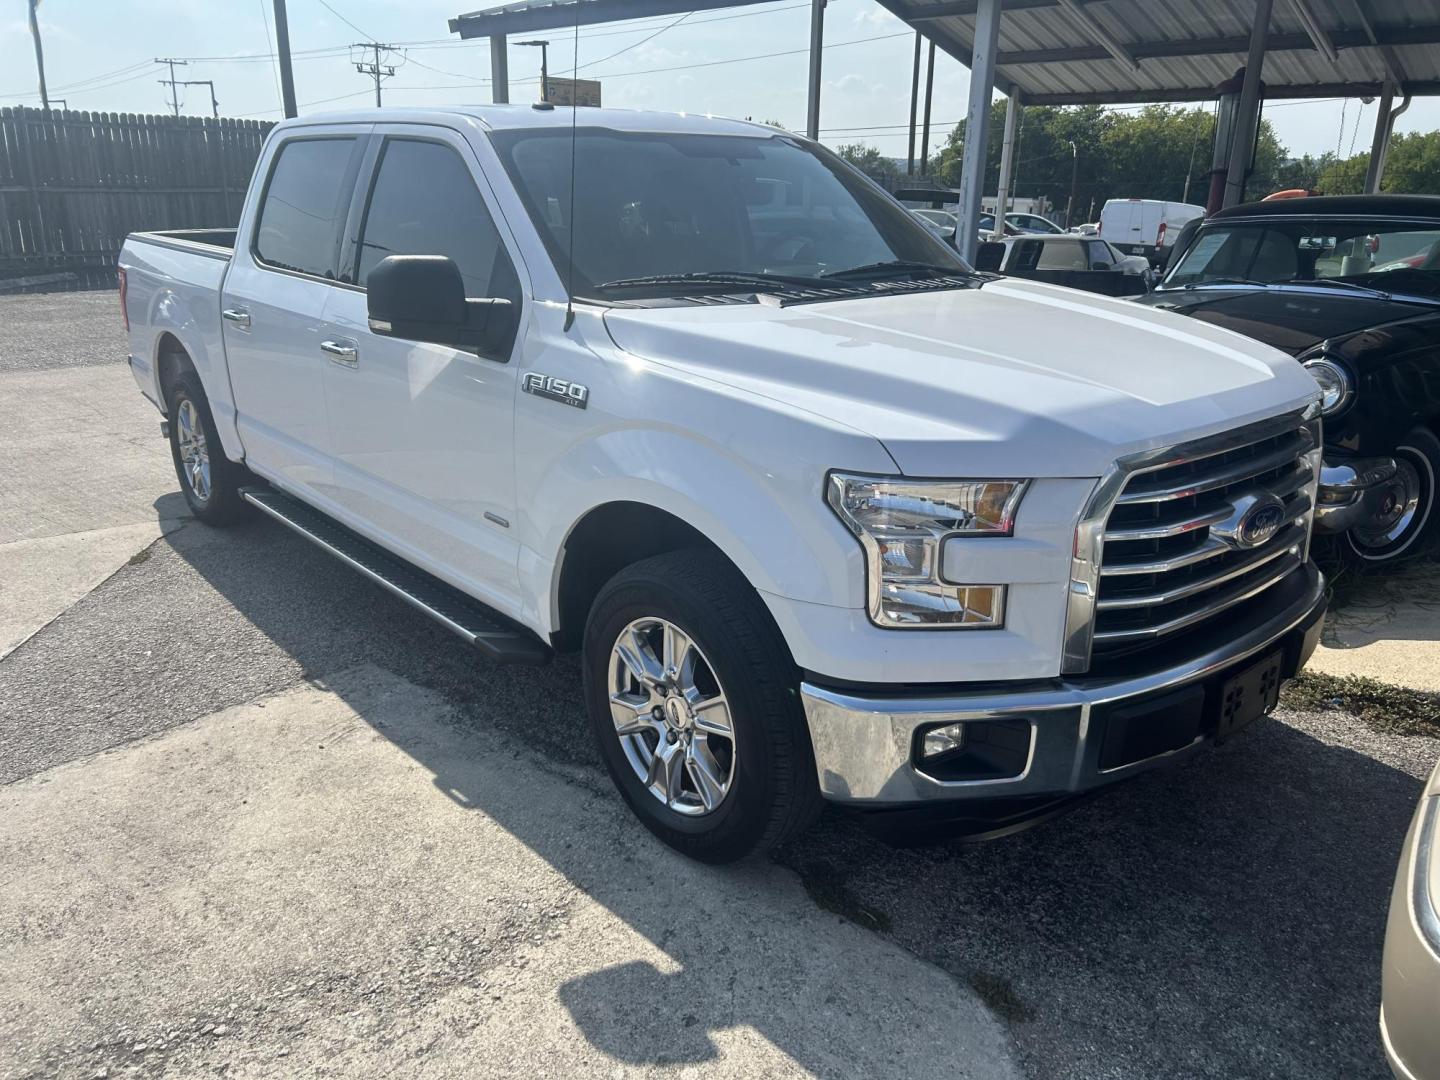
(865, 739)
(1351, 489)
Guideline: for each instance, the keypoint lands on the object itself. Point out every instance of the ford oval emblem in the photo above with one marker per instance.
(1260, 522)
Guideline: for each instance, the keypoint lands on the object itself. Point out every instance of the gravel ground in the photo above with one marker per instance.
(56, 330)
(1220, 919)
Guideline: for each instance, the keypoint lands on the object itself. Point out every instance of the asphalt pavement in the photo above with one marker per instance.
(243, 789)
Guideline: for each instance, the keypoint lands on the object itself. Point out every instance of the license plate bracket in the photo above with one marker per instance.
(1248, 695)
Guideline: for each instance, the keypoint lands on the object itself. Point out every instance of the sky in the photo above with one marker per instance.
(731, 62)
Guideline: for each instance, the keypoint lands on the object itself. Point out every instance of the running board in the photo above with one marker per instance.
(487, 630)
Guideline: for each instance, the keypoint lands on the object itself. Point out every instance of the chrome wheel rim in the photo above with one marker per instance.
(1402, 505)
(194, 453)
(672, 717)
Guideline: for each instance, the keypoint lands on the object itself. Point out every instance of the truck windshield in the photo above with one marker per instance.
(658, 212)
(1403, 256)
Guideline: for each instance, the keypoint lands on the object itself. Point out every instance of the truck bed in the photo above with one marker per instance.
(216, 243)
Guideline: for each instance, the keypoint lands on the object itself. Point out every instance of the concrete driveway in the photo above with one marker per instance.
(260, 818)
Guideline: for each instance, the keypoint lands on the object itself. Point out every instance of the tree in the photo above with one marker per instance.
(869, 161)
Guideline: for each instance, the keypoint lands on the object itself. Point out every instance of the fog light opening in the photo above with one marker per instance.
(942, 740)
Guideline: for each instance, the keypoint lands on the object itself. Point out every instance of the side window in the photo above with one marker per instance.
(424, 202)
(1099, 253)
(300, 218)
(1027, 254)
(1062, 255)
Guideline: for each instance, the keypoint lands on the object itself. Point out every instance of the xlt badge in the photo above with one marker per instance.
(561, 390)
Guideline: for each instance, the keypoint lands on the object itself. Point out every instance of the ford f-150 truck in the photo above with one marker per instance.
(828, 515)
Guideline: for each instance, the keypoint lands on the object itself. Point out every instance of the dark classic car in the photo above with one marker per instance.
(1350, 287)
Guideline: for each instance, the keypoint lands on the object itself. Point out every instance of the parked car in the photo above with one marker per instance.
(940, 222)
(1410, 971)
(1079, 262)
(1349, 286)
(826, 514)
(1145, 226)
(1089, 228)
(1032, 223)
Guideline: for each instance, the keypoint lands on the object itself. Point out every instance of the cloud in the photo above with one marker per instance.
(873, 14)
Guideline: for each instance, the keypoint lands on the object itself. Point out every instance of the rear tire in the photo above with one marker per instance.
(730, 772)
(209, 480)
(1411, 524)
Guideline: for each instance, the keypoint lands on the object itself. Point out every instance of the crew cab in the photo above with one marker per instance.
(1349, 285)
(827, 514)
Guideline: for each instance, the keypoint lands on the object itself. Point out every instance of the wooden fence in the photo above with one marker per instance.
(72, 184)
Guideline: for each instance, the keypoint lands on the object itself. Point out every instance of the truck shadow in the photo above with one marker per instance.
(1220, 919)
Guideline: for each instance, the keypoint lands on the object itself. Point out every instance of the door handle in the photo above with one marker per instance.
(341, 352)
(237, 316)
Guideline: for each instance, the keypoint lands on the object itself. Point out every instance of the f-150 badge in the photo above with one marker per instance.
(561, 390)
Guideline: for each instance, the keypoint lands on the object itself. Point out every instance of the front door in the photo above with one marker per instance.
(422, 435)
(282, 274)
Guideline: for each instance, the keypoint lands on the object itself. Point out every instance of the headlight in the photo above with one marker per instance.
(1336, 387)
(902, 525)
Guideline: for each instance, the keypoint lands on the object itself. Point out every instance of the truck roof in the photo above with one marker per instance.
(504, 117)
(1419, 206)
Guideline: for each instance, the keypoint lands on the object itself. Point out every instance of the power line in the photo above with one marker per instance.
(374, 68)
(347, 22)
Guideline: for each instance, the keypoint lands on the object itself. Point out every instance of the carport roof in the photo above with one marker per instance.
(1074, 52)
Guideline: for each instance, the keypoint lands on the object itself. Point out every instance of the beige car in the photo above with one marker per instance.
(1410, 983)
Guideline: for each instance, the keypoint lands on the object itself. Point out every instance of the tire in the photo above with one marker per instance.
(209, 480)
(1402, 533)
(765, 766)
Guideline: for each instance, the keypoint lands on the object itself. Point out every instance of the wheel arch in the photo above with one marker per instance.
(601, 543)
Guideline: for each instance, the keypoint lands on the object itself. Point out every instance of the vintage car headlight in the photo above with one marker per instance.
(1336, 387)
(903, 524)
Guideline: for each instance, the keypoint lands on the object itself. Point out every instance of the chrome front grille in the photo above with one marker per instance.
(1169, 540)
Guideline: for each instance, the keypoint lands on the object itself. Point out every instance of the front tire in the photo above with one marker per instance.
(1407, 524)
(209, 480)
(691, 694)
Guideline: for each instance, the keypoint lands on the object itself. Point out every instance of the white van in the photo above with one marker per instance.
(1145, 226)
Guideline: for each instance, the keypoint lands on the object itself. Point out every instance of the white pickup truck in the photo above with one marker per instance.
(828, 515)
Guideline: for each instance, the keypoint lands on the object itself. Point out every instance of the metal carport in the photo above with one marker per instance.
(1073, 52)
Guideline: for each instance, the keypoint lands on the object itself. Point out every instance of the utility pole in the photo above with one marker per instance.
(376, 69)
(544, 47)
(172, 82)
(1074, 175)
(39, 54)
(282, 49)
(214, 105)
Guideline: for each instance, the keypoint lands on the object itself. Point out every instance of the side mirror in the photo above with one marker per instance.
(1099, 265)
(422, 298)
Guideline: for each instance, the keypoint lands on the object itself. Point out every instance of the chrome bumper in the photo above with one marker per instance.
(1350, 490)
(865, 741)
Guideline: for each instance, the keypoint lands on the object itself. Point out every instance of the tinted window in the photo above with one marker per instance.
(304, 205)
(1099, 252)
(668, 204)
(425, 202)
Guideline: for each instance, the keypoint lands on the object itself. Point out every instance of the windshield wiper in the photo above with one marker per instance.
(709, 277)
(1347, 285)
(1226, 281)
(898, 268)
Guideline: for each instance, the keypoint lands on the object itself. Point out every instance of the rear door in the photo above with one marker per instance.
(422, 434)
(283, 272)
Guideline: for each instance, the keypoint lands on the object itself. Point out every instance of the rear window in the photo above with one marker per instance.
(304, 206)
(1062, 255)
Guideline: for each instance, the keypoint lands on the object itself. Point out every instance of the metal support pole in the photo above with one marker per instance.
(500, 70)
(817, 43)
(925, 130)
(1007, 161)
(282, 50)
(39, 55)
(1380, 145)
(977, 125)
(914, 106)
(1247, 113)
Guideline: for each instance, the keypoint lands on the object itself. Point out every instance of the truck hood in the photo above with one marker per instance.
(1294, 319)
(1012, 379)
